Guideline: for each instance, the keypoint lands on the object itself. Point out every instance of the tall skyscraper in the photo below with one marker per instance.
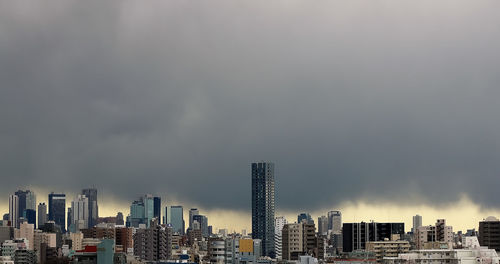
(192, 212)
(42, 214)
(57, 209)
(323, 225)
(14, 210)
(335, 222)
(157, 208)
(149, 208)
(80, 213)
(177, 219)
(91, 194)
(263, 206)
(417, 222)
(26, 206)
(203, 221)
(279, 223)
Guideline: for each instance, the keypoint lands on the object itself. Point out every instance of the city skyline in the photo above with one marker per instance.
(380, 110)
(224, 219)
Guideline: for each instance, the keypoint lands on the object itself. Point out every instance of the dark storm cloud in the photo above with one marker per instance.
(380, 101)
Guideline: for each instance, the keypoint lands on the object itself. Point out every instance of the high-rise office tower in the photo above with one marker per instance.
(177, 219)
(322, 225)
(69, 220)
(57, 209)
(192, 212)
(166, 217)
(136, 216)
(80, 213)
(157, 208)
(279, 223)
(203, 221)
(417, 222)
(305, 217)
(42, 214)
(335, 222)
(263, 206)
(91, 194)
(149, 207)
(14, 210)
(26, 206)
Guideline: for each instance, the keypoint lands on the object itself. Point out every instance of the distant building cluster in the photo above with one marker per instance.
(41, 233)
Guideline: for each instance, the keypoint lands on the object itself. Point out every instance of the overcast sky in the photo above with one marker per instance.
(392, 102)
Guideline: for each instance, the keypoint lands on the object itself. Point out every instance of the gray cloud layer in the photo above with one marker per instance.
(380, 100)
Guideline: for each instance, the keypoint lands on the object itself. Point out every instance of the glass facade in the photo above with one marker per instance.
(57, 209)
(177, 219)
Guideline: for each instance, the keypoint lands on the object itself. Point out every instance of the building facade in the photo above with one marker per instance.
(57, 209)
(489, 233)
(263, 206)
(91, 194)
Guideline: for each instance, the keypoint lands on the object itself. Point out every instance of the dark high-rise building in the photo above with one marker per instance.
(263, 206)
(157, 208)
(30, 216)
(192, 212)
(355, 235)
(119, 219)
(42, 214)
(69, 221)
(57, 209)
(91, 194)
(489, 233)
(26, 200)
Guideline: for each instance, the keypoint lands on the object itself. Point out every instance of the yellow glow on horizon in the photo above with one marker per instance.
(462, 215)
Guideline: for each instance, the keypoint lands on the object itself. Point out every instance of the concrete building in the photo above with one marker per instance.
(76, 240)
(14, 210)
(489, 233)
(417, 222)
(279, 223)
(42, 214)
(124, 239)
(427, 236)
(6, 260)
(26, 231)
(292, 241)
(153, 243)
(57, 209)
(263, 206)
(80, 213)
(323, 225)
(335, 222)
(471, 253)
(383, 249)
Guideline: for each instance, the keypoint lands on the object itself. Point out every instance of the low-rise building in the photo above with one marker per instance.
(387, 248)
